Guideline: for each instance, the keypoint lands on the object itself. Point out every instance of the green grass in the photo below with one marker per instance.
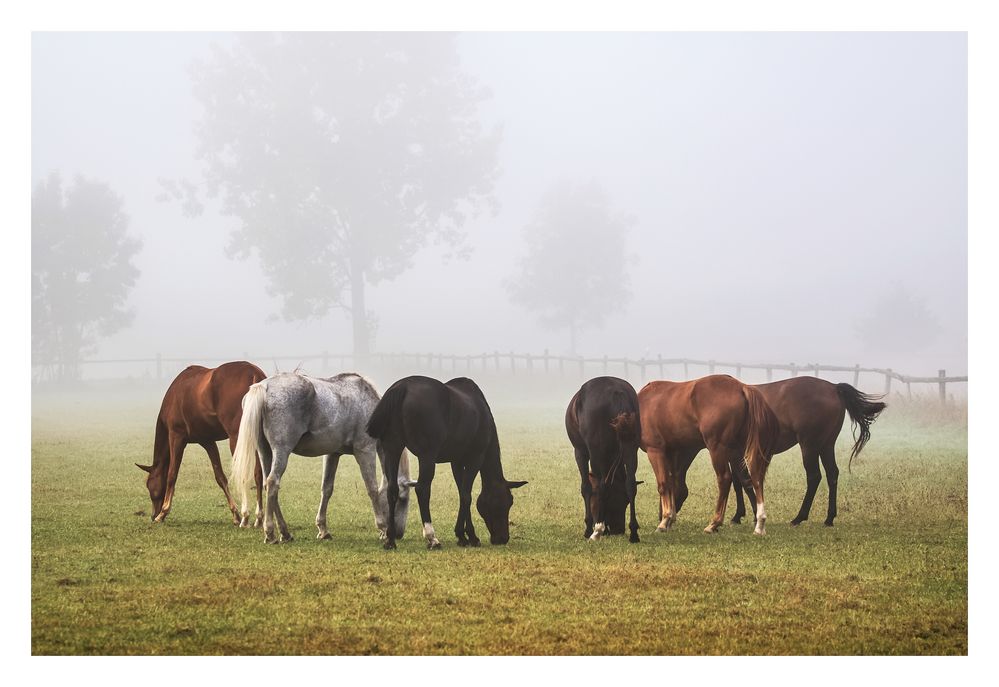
(890, 578)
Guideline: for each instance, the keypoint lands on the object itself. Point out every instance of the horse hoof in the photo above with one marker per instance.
(796, 522)
(474, 542)
(433, 545)
(634, 538)
(737, 520)
(462, 543)
(828, 523)
(661, 529)
(389, 545)
(272, 540)
(711, 529)
(587, 534)
(287, 540)
(324, 535)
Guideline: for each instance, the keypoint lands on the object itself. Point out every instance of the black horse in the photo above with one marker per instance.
(603, 424)
(445, 423)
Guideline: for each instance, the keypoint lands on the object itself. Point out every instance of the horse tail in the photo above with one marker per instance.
(762, 425)
(864, 410)
(381, 419)
(250, 433)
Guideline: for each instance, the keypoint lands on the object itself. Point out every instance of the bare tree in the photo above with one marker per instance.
(81, 271)
(341, 155)
(575, 271)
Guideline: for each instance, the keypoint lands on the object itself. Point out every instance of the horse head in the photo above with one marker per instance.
(615, 502)
(494, 505)
(156, 484)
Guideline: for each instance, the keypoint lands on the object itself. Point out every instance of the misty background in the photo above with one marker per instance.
(764, 197)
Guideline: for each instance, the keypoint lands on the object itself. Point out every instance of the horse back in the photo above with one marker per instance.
(808, 409)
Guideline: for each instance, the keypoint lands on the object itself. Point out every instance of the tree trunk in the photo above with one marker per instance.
(358, 314)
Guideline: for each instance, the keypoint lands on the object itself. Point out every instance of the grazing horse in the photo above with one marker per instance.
(292, 413)
(201, 406)
(603, 427)
(720, 413)
(445, 423)
(811, 413)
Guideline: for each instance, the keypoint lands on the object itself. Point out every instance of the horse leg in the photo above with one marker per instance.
(758, 473)
(828, 455)
(720, 460)
(460, 525)
(585, 488)
(810, 459)
(657, 458)
(330, 463)
(740, 502)
(213, 455)
(427, 469)
(632, 487)
(177, 445)
(391, 454)
(272, 509)
(366, 459)
(467, 480)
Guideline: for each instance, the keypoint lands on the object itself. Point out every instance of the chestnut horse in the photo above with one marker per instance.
(202, 406)
(811, 413)
(720, 413)
(603, 427)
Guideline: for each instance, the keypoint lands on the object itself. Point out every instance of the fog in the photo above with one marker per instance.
(788, 197)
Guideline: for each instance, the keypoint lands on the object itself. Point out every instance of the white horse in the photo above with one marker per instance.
(293, 413)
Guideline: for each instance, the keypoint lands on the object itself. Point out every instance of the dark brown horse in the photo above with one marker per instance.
(811, 413)
(720, 413)
(202, 406)
(603, 427)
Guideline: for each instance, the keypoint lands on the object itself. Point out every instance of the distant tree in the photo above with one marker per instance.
(899, 322)
(81, 271)
(575, 271)
(340, 155)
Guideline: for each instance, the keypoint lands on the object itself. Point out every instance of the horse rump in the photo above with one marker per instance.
(380, 421)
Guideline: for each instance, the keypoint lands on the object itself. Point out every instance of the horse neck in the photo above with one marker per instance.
(492, 468)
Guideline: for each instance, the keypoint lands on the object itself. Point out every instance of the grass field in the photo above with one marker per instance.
(890, 578)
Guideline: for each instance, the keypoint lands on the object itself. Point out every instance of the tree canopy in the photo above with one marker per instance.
(574, 273)
(81, 271)
(341, 155)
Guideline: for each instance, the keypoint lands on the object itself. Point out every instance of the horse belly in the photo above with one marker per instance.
(319, 444)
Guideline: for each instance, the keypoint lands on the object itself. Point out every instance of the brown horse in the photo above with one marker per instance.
(202, 406)
(811, 413)
(720, 413)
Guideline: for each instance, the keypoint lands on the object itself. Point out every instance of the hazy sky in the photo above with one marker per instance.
(781, 183)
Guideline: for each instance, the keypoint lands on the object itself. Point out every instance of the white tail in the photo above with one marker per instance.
(250, 431)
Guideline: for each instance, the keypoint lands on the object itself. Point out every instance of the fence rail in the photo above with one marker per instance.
(534, 363)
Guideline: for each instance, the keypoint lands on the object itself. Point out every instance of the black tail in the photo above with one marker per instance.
(381, 418)
(864, 410)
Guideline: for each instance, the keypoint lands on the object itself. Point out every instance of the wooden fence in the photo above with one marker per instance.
(512, 363)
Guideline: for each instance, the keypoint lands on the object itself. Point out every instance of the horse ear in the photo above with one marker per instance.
(514, 485)
(147, 468)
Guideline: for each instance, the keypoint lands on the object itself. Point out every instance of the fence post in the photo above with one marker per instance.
(483, 363)
(513, 364)
(159, 366)
(661, 372)
(738, 371)
(856, 375)
(641, 367)
(625, 375)
(943, 386)
(582, 372)
(908, 390)
(561, 360)
(770, 374)
(711, 367)
(794, 370)
(887, 380)
(686, 373)
(326, 361)
(496, 360)
(546, 361)
(530, 363)
(816, 369)
(605, 365)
